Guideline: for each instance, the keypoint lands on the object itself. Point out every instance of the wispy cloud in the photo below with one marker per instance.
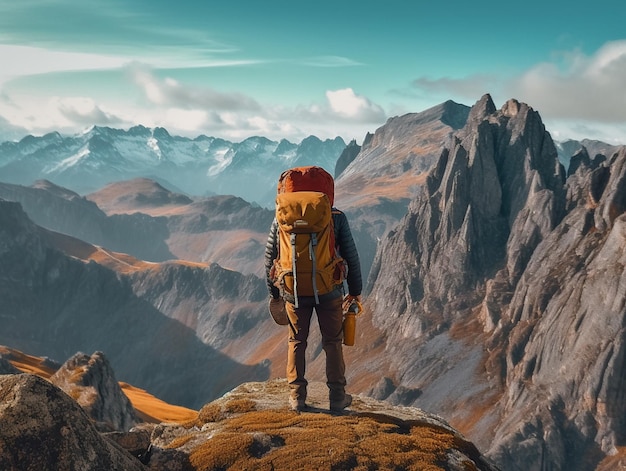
(467, 87)
(26, 60)
(84, 111)
(170, 92)
(328, 61)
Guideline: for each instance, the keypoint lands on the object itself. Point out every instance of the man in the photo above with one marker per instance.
(329, 315)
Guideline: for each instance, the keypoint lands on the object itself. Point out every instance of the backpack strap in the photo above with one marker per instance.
(292, 239)
(312, 245)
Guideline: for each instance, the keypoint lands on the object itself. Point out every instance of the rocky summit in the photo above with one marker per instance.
(250, 428)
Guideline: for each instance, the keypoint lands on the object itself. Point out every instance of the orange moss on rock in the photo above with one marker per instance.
(272, 439)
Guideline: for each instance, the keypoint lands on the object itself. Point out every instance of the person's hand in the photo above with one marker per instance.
(349, 299)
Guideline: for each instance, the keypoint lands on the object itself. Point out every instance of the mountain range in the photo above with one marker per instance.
(200, 166)
(494, 258)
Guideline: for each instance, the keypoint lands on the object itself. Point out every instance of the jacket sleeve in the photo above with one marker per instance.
(271, 252)
(347, 250)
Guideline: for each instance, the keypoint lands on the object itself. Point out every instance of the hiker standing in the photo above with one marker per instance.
(289, 283)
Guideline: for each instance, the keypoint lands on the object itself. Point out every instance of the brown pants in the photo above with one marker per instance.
(330, 319)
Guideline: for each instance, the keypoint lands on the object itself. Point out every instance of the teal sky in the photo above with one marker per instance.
(286, 69)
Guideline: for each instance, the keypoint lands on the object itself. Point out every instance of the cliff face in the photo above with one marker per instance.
(565, 352)
(507, 286)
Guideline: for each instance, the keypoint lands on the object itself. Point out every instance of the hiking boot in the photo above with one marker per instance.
(297, 405)
(341, 405)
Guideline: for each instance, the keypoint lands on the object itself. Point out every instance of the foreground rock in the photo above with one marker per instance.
(44, 429)
(249, 428)
(252, 428)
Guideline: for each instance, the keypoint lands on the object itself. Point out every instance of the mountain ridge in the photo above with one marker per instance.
(88, 161)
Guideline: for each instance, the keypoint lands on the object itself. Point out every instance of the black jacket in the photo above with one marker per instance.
(343, 240)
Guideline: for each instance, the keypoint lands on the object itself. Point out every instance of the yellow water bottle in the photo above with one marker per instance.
(349, 324)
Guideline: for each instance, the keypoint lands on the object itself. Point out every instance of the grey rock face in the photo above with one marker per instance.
(90, 380)
(513, 281)
(566, 379)
(484, 208)
(376, 187)
(44, 429)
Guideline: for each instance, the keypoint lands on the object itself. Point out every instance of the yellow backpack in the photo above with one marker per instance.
(307, 262)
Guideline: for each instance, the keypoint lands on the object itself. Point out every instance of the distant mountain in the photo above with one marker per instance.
(595, 150)
(204, 165)
(141, 218)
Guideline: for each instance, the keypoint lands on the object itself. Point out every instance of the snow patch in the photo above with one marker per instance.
(69, 161)
(153, 144)
(223, 158)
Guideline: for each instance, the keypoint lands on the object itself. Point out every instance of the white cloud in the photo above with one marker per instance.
(346, 104)
(586, 88)
(170, 92)
(329, 61)
(83, 111)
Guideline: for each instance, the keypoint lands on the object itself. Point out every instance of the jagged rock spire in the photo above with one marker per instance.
(91, 381)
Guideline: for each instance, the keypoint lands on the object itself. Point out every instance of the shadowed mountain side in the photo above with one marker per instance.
(151, 223)
(218, 304)
(377, 185)
(54, 305)
(62, 210)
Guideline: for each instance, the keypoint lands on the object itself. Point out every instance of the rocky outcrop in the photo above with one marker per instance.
(44, 429)
(90, 380)
(507, 285)
(250, 427)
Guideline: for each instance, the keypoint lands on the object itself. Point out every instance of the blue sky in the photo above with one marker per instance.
(288, 69)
